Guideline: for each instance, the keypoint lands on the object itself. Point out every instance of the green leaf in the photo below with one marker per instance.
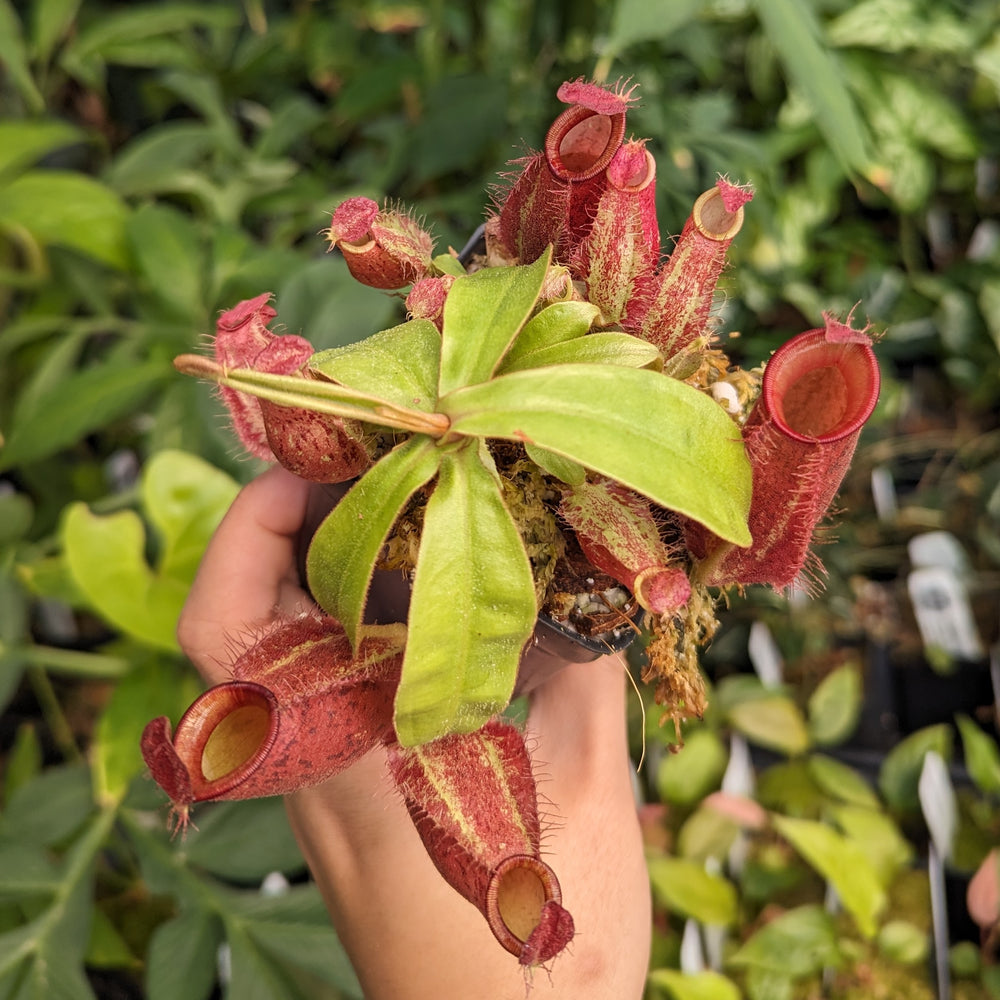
(566, 469)
(900, 772)
(152, 688)
(878, 836)
(50, 807)
(792, 29)
(982, 758)
(61, 208)
(181, 964)
(14, 58)
(482, 315)
(138, 22)
(841, 862)
(346, 545)
(772, 721)
(79, 404)
(221, 844)
(694, 985)
(654, 434)
(107, 559)
(689, 775)
(185, 498)
(798, 943)
(841, 782)
(310, 947)
(472, 609)
(688, 889)
(52, 21)
(605, 347)
(705, 834)
(22, 143)
(555, 324)
(835, 705)
(170, 257)
(904, 942)
(400, 364)
(155, 159)
(646, 20)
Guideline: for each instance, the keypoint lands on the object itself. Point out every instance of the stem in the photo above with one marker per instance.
(53, 714)
(75, 662)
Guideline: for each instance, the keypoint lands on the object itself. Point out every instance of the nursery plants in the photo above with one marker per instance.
(554, 431)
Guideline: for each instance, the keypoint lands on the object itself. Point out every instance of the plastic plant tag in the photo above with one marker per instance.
(884, 494)
(938, 548)
(937, 802)
(692, 954)
(943, 613)
(765, 655)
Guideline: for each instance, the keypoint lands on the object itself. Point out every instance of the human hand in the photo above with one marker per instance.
(409, 935)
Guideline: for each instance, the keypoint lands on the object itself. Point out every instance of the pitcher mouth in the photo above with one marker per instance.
(818, 390)
(225, 735)
(524, 909)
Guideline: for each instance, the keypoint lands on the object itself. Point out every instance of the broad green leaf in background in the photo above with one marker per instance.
(185, 498)
(899, 774)
(685, 887)
(686, 777)
(107, 559)
(182, 959)
(82, 402)
(798, 943)
(478, 328)
(400, 364)
(346, 545)
(472, 609)
(841, 862)
(773, 721)
(22, 143)
(792, 29)
(14, 57)
(644, 20)
(171, 259)
(52, 21)
(706, 833)
(221, 845)
(904, 942)
(153, 687)
(982, 758)
(841, 782)
(61, 208)
(878, 835)
(656, 435)
(159, 158)
(835, 705)
(706, 985)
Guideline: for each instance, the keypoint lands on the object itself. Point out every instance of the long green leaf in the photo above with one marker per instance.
(316, 395)
(346, 545)
(482, 315)
(843, 863)
(607, 347)
(400, 364)
(811, 66)
(472, 610)
(62, 208)
(654, 434)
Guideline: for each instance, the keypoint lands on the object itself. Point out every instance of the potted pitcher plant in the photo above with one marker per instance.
(553, 435)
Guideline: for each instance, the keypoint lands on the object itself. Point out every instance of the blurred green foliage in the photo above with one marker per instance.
(160, 161)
